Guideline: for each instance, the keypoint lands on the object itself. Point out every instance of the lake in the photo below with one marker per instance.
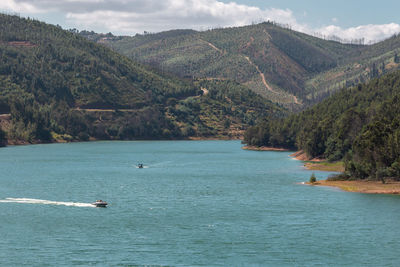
(196, 203)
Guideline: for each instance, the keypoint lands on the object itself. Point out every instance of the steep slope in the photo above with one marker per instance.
(58, 85)
(51, 63)
(361, 66)
(49, 77)
(270, 60)
(360, 124)
(285, 66)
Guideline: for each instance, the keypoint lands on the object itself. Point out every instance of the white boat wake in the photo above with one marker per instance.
(45, 202)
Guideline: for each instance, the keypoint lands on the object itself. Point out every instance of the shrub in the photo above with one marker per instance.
(313, 179)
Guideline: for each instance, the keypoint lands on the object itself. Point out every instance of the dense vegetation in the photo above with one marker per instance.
(46, 73)
(359, 125)
(58, 85)
(226, 109)
(293, 63)
(2, 138)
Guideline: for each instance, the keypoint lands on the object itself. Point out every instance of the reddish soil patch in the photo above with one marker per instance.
(20, 44)
(301, 155)
(264, 148)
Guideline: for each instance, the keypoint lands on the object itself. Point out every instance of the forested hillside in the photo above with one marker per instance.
(361, 66)
(58, 85)
(285, 66)
(360, 125)
(264, 57)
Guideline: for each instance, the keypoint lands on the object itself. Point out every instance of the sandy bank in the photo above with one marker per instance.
(325, 166)
(263, 148)
(318, 164)
(213, 138)
(301, 155)
(359, 186)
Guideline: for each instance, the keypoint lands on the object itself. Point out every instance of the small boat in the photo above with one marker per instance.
(100, 204)
(140, 165)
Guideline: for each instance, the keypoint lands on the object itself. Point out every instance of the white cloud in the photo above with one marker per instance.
(371, 33)
(194, 14)
(14, 6)
(133, 16)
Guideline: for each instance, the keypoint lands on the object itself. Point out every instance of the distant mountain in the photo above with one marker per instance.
(58, 85)
(361, 66)
(360, 125)
(285, 66)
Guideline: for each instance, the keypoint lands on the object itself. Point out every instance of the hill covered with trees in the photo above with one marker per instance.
(58, 85)
(360, 125)
(283, 65)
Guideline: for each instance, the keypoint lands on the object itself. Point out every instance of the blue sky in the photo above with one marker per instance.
(372, 20)
(349, 13)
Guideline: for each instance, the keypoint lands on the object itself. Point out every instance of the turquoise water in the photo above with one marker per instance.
(197, 203)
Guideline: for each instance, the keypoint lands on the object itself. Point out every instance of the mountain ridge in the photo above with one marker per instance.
(296, 66)
(59, 85)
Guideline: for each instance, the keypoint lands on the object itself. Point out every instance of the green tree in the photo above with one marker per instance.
(3, 138)
(396, 58)
(313, 178)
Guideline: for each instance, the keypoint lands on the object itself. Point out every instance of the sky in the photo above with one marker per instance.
(347, 19)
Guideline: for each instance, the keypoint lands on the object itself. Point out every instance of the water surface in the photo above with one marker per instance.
(197, 203)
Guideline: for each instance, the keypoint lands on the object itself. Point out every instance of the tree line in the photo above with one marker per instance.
(359, 125)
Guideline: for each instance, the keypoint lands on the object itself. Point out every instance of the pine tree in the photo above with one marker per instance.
(2, 138)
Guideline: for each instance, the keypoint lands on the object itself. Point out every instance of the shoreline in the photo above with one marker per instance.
(264, 148)
(301, 155)
(62, 141)
(325, 166)
(317, 164)
(364, 187)
(194, 138)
